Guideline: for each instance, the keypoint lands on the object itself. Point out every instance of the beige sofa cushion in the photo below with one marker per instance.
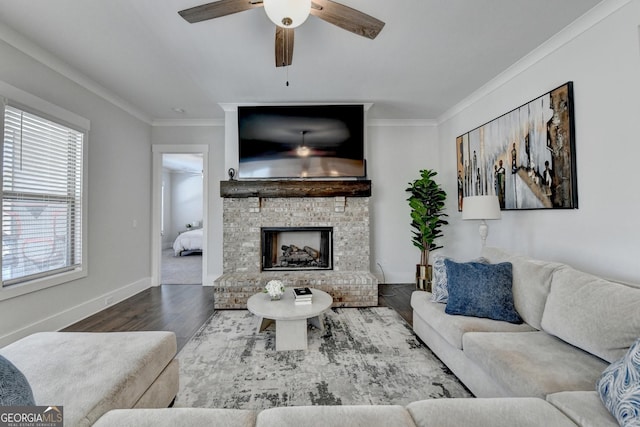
(532, 364)
(584, 407)
(504, 412)
(597, 315)
(343, 416)
(91, 373)
(531, 283)
(177, 417)
(452, 328)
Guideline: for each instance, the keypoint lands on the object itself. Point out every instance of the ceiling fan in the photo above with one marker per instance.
(287, 15)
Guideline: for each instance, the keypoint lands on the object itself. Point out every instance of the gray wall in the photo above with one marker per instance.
(119, 182)
(602, 58)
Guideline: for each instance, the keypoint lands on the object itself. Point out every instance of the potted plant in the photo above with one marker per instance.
(427, 213)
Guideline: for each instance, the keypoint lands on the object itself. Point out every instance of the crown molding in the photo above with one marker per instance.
(233, 106)
(29, 48)
(591, 18)
(188, 123)
(402, 123)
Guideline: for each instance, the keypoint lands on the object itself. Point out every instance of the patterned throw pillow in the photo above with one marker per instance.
(439, 282)
(14, 387)
(619, 388)
(481, 290)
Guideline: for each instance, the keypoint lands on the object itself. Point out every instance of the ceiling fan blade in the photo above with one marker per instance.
(284, 46)
(347, 18)
(217, 9)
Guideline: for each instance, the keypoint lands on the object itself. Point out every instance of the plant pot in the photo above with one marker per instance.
(423, 277)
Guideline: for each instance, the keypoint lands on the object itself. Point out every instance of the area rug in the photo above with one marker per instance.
(363, 356)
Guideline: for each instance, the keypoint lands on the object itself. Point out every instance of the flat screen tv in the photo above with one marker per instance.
(304, 141)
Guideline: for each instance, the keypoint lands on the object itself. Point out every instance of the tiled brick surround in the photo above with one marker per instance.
(350, 282)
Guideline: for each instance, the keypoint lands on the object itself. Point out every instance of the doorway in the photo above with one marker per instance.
(181, 219)
(179, 239)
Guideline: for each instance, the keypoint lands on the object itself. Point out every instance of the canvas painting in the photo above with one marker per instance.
(526, 157)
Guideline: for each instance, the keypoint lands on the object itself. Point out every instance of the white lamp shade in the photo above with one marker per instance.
(287, 13)
(481, 207)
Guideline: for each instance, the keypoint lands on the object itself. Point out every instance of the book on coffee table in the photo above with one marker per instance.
(302, 295)
(302, 292)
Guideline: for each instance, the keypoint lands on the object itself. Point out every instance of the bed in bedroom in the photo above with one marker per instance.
(188, 242)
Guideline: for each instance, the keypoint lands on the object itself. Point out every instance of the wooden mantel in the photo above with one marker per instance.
(295, 188)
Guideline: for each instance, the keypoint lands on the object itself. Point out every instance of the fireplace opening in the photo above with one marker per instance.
(297, 248)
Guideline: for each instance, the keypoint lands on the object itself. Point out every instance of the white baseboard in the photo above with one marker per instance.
(398, 277)
(72, 315)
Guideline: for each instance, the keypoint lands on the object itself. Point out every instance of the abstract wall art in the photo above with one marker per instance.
(526, 157)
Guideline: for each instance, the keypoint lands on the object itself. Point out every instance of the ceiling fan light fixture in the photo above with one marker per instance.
(287, 13)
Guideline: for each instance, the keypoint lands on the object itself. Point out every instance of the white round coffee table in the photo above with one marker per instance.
(291, 319)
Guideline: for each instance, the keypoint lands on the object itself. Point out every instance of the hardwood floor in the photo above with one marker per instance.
(398, 297)
(178, 308)
(183, 309)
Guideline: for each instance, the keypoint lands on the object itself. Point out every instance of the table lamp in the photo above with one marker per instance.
(482, 208)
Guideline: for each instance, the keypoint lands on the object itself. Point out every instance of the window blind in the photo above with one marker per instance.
(41, 197)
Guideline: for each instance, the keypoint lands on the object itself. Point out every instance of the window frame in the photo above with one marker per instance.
(16, 98)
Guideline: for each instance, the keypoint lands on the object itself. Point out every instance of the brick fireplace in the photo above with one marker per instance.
(250, 207)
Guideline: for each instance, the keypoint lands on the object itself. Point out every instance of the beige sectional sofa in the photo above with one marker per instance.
(538, 373)
(575, 325)
(517, 412)
(97, 376)
(91, 373)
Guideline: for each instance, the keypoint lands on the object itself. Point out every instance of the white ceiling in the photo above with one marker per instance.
(430, 55)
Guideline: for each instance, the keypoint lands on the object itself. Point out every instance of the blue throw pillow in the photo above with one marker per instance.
(481, 290)
(619, 387)
(14, 387)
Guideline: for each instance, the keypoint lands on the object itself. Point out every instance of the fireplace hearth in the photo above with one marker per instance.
(297, 248)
